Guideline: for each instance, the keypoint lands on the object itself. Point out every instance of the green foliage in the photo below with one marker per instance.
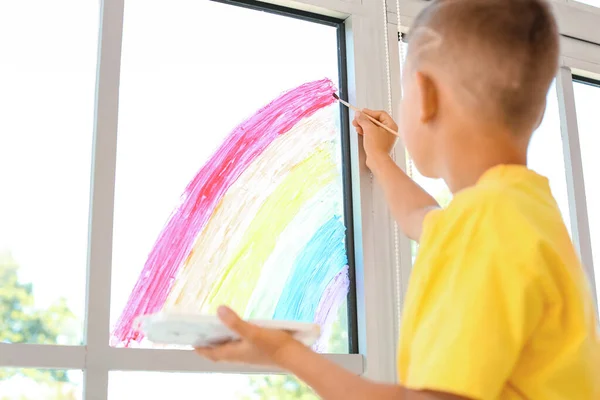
(49, 391)
(275, 387)
(23, 322)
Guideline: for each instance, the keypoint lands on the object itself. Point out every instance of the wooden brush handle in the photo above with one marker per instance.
(376, 122)
(373, 120)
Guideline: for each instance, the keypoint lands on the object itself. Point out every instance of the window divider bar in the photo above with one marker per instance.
(374, 246)
(127, 359)
(574, 171)
(102, 200)
(403, 264)
(25, 355)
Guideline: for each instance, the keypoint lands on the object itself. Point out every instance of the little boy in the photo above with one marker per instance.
(498, 306)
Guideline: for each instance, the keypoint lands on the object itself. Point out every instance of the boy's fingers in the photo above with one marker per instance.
(235, 323)
(229, 351)
(206, 353)
(379, 115)
(357, 127)
(363, 120)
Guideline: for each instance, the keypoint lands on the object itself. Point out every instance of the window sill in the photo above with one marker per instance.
(124, 359)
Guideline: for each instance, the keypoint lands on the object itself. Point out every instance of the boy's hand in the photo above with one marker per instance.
(408, 202)
(377, 141)
(257, 346)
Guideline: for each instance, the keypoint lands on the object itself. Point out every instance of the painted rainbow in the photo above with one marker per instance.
(259, 228)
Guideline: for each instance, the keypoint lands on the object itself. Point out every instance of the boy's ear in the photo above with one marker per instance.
(428, 96)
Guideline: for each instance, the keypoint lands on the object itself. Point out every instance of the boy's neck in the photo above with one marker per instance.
(480, 152)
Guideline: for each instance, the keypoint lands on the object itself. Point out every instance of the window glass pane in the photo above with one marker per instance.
(37, 384)
(546, 155)
(587, 99)
(253, 227)
(47, 81)
(160, 385)
(595, 3)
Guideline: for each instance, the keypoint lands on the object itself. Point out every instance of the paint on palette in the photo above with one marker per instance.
(237, 236)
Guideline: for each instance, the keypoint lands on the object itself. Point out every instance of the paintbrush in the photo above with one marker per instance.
(373, 120)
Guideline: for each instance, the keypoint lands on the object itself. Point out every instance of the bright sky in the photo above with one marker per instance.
(595, 3)
(187, 79)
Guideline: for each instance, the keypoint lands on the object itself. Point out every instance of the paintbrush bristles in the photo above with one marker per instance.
(350, 106)
(373, 120)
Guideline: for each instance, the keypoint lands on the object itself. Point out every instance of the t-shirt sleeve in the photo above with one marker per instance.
(477, 311)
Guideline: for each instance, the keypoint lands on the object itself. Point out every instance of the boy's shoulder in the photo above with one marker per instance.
(478, 205)
(485, 226)
(501, 217)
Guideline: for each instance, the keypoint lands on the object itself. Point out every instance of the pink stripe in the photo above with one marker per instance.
(243, 145)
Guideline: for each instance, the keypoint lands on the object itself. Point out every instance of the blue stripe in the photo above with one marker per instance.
(318, 263)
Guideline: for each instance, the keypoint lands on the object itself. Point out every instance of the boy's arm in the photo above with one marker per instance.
(277, 348)
(408, 202)
(332, 382)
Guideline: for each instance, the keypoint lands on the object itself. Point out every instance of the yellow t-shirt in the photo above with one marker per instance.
(498, 305)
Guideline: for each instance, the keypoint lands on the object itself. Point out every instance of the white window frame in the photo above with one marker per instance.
(365, 30)
(583, 59)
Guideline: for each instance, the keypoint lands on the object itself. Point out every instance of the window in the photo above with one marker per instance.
(181, 96)
(141, 104)
(47, 76)
(587, 98)
(179, 101)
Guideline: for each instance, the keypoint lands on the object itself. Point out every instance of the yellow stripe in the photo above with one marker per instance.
(226, 229)
(243, 271)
